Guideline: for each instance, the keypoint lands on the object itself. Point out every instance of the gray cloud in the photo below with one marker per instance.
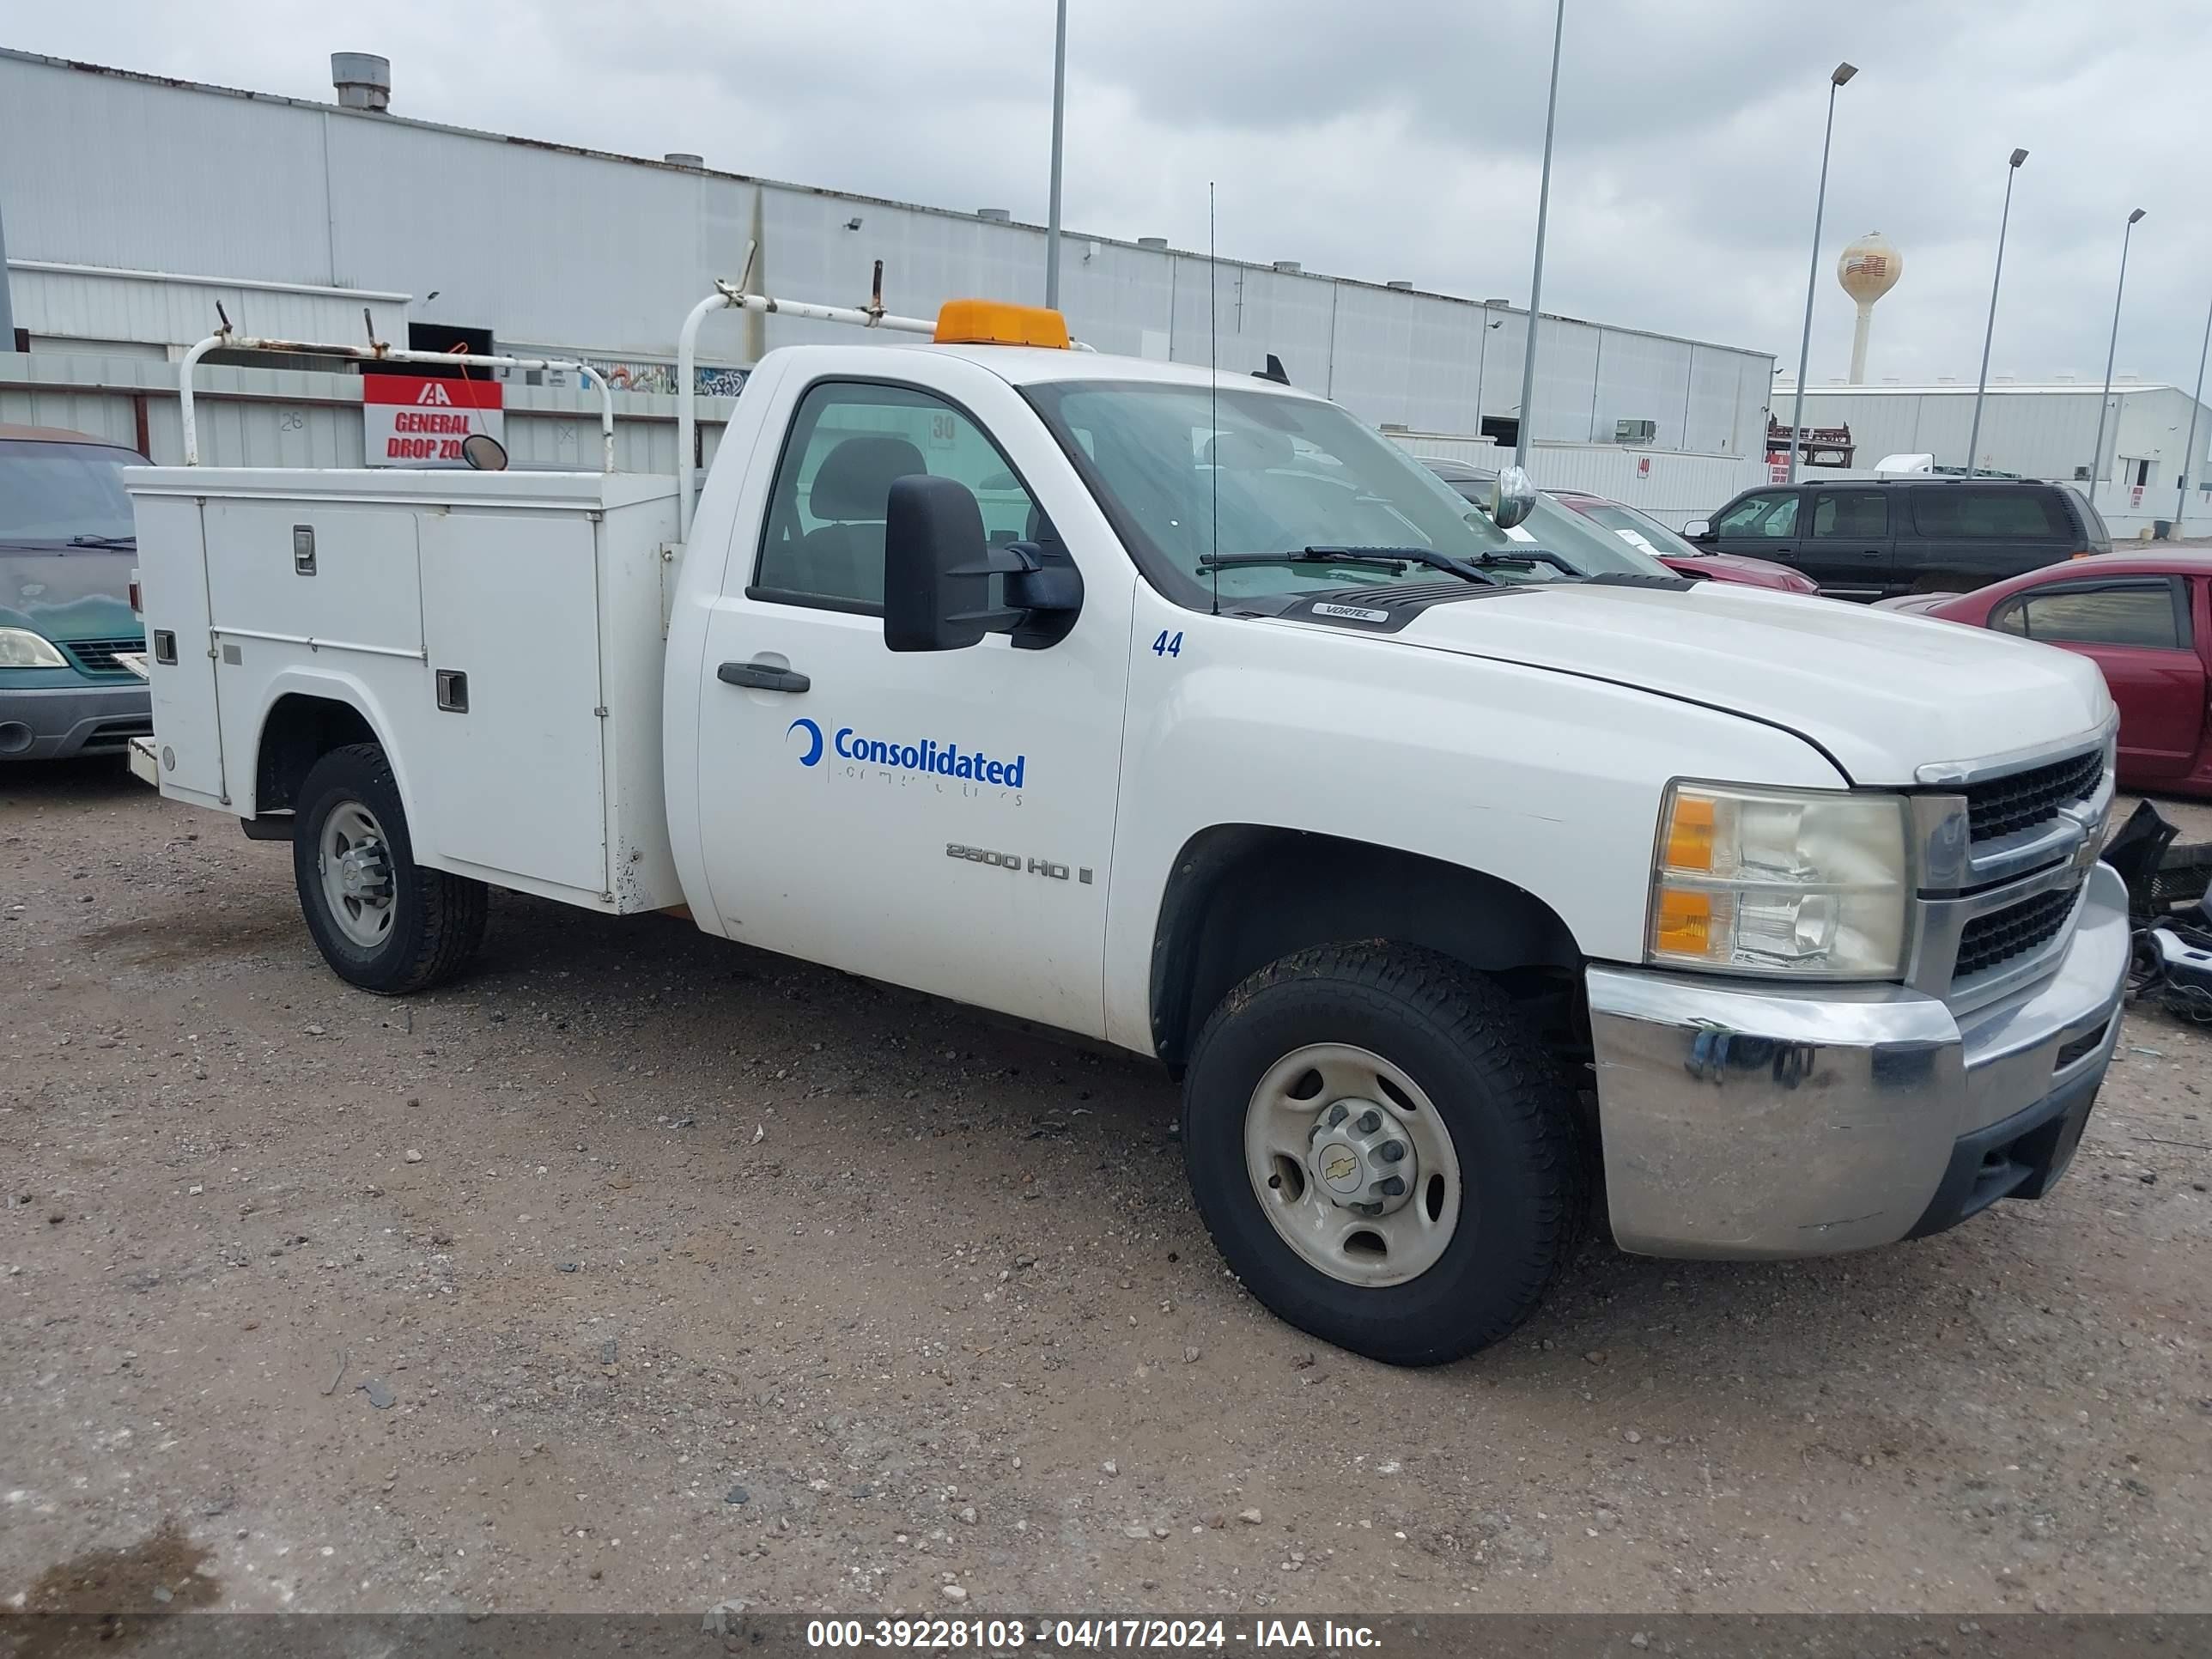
(1400, 138)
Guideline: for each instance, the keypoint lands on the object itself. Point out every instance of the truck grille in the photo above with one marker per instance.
(98, 656)
(1998, 937)
(2020, 800)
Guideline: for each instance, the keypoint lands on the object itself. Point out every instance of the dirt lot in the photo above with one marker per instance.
(643, 1271)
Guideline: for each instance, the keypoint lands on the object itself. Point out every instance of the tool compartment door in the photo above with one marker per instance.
(511, 601)
(179, 663)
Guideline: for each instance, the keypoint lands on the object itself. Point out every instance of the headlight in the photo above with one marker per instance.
(1777, 881)
(21, 648)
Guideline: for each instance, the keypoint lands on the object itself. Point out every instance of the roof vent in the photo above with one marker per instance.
(1404, 284)
(996, 215)
(2132, 377)
(1289, 267)
(684, 158)
(1157, 244)
(2061, 379)
(2004, 379)
(1947, 379)
(363, 80)
(1508, 304)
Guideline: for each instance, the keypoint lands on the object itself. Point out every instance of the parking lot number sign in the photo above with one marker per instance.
(409, 421)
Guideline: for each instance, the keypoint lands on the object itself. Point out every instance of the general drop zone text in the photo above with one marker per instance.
(946, 760)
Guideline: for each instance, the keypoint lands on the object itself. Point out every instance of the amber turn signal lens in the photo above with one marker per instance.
(1690, 834)
(1685, 923)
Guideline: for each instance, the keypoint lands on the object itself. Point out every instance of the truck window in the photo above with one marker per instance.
(1850, 514)
(1946, 512)
(1180, 470)
(1772, 514)
(2141, 614)
(849, 442)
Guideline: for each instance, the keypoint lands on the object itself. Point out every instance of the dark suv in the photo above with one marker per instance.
(1871, 538)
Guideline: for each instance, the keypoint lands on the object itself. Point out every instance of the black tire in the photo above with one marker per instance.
(1524, 1167)
(438, 920)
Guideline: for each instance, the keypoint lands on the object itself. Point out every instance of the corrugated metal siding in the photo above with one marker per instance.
(604, 256)
(103, 306)
(105, 171)
(288, 417)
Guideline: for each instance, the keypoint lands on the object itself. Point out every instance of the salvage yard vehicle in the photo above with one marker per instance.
(1449, 881)
(1870, 539)
(2145, 619)
(67, 637)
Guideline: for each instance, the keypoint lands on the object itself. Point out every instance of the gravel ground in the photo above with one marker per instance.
(643, 1271)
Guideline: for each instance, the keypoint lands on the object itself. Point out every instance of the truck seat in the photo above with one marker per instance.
(852, 490)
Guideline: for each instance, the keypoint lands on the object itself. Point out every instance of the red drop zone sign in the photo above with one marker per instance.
(410, 422)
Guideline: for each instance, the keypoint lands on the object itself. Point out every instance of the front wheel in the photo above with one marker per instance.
(381, 921)
(1382, 1152)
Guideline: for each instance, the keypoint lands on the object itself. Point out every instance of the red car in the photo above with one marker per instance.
(1684, 558)
(2142, 617)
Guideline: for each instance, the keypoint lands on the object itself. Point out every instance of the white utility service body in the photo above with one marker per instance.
(1112, 830)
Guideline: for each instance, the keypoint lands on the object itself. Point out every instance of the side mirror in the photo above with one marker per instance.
(1513, 499)
(1697, 530)
(484, 453)
(937, 567)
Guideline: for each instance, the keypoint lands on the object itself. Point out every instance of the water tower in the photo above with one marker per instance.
(1868, 268)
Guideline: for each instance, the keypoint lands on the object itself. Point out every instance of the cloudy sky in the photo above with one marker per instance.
(1393, 138)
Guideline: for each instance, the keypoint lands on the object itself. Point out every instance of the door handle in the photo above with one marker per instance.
(761, 677)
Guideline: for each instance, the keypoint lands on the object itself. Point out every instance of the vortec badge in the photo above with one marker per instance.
(1351, 613)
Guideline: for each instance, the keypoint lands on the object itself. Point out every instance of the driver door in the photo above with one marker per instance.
(943, 820)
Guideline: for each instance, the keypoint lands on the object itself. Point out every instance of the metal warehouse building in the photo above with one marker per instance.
(2042, 431)
(323, 210)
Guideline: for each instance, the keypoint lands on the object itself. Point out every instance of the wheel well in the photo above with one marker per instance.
(299, 732)
(1242, 895)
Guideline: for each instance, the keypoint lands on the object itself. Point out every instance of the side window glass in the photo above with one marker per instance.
(1782, 521)
(1749, 517)
(2011, 617)
(1860, 515)
(2110, 616)
(849, 442)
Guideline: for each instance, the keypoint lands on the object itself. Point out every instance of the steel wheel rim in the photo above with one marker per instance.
(355, 861)
(1288, 1131)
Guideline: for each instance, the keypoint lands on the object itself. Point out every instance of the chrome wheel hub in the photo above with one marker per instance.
(355, 864)
(1353, 1164)
(1363, 1157)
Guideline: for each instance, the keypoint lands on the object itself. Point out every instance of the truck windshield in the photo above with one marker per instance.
(64, 494)
(1181, 475)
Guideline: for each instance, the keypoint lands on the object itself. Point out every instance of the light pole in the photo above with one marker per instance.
(2189, 460)
(2097, 454)
(1059, 121)
(1839, 76)
(1982, 385)
(1536, 277)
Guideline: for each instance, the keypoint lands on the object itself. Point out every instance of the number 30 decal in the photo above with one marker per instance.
(1167, 646)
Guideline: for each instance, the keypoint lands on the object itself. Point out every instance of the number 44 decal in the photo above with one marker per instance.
(1168, 645)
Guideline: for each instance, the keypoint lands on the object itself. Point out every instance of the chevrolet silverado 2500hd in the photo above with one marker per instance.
(1187, 713)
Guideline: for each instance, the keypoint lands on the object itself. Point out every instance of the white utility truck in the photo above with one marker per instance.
(1471, 899)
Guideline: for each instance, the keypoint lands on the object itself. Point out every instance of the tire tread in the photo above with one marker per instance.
(455, 909)
(1472, 1015)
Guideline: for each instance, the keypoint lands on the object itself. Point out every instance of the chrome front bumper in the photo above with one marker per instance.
(1741, 1121)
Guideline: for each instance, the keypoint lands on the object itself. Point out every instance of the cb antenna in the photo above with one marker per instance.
(1214, 375)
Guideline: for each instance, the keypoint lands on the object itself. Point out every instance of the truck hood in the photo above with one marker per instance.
(1881, 693)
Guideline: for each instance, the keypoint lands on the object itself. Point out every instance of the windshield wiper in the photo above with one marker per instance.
(1526, 556)
(1393, 559)
(103, 541)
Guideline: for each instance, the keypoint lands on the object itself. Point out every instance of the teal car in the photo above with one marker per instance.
(67, 545)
